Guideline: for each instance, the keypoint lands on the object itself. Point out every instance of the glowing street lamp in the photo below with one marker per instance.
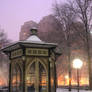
(77, 64)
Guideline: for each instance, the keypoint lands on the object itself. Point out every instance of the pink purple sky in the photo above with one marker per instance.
(13, 14)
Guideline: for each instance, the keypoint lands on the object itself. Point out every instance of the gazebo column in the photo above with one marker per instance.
(10, 77)
(49, 78)
(37, 76)
(24, 74)
(55, 78)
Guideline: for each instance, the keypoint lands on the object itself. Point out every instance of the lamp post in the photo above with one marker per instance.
(77, 64)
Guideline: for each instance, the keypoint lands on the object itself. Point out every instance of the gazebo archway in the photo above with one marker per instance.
(16, 78)
(36, 79)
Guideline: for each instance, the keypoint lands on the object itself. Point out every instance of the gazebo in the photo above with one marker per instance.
(32, 65)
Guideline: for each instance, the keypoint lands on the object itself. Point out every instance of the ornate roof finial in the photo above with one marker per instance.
(34, 31)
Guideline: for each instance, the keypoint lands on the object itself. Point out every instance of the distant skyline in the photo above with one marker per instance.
(13, 14)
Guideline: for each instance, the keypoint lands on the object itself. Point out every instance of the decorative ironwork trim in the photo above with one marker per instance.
(36, 52)
(16, 53)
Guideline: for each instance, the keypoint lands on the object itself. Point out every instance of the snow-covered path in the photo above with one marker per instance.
(73, 90)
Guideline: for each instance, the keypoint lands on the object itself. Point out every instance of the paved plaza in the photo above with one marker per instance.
(73, 90)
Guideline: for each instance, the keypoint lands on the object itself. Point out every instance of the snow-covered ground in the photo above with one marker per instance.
(73, 90)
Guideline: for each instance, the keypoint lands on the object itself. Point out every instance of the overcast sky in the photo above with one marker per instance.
(13, 14)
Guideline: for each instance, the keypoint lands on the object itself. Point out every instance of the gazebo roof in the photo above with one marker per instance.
(32, 41)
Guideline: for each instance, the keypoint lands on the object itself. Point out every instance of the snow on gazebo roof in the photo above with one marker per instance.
(34, 38)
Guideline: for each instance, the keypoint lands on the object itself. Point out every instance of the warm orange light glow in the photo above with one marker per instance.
(62, 81)
(2, 82)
